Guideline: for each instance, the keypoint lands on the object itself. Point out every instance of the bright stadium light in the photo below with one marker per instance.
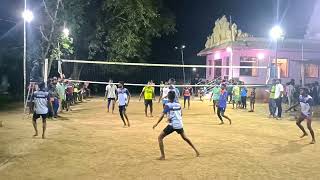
(276, 33)
(183, 46)
(229, 49)
(66, 32)
(260, 56)
(194, 69)
(27, 15)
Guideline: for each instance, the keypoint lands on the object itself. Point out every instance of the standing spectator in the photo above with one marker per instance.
(272, 102)
(278, 97)
(236, 99)
(61, 90)
(252, 99)
(244, 97)
(315, 92)
(55, 97)
(187, 93)
(290, 92)
(229, 90)
(69, 94)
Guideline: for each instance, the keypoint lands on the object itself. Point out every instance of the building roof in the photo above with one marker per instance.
(266, 43)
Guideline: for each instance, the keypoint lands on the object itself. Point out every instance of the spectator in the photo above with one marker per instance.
(278, 94)
(290, 93)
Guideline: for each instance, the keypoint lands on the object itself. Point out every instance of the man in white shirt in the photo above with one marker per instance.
(111, 94)
(290, 92)
(123, 98)
(278, 97)
(164, 94)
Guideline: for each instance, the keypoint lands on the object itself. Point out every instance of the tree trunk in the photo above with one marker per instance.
(77, 68)
(45, 54)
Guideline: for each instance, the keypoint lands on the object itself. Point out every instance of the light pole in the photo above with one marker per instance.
(182, 60)
(27, 17)
(276, 33)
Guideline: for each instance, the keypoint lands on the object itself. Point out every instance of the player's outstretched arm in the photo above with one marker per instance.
(160, 119)
(292, 107)
(160, 96)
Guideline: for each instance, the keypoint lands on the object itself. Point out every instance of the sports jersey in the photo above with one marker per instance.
(305, 103)
(148, 92)
(272, 91)
(236, 90)
(187, 91)
(111, 89)
(41, 99)
(165, 92)
(216, 93)
(173, 111)
(122, 96)
(223, 98)
(243, 92)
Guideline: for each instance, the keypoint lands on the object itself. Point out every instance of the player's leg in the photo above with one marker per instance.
(184, 101)
(189, 102)
(166, 131)
(219, 115)
(245, 102)
(223, 115)
(298, 123)
(113, 105)
(44, 125)
(122, 116)
(109, 102)
(151, 108)
(309, 121)
(126, 116)
(185, 138)
(146, 108)
(214, 106)
(34, 123)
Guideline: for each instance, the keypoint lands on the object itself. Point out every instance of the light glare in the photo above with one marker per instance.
(66, 32)
(27, 15)
(276, 32)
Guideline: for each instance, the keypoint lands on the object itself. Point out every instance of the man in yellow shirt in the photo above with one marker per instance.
(149, 95)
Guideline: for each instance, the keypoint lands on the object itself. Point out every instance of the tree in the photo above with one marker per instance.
(105, 29)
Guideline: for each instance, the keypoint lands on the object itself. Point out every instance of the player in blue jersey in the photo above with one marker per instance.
(173, 111)
(222, 104)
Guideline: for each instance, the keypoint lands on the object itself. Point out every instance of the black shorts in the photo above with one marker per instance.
(111, 99)
(186, 97)
(148, 102)
(169, 129)
(37, 116)
(122, 108)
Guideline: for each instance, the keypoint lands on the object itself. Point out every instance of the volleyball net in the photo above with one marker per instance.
(137, 75)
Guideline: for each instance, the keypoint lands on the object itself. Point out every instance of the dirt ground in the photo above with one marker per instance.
(89, 143)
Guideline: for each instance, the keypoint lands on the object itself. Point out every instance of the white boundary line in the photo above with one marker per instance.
(159, 65)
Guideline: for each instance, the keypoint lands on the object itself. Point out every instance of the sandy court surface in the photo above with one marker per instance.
(89, 143)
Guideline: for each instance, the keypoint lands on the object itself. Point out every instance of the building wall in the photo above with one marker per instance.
(293, 56)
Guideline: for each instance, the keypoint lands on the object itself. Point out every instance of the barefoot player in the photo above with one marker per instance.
(111, 90)
(148, 95)
(222, 104)
(41, 100)
(173, 111)
(123, 99)
(305, 102)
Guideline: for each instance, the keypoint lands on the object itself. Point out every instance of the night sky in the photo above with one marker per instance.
(195, 19)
